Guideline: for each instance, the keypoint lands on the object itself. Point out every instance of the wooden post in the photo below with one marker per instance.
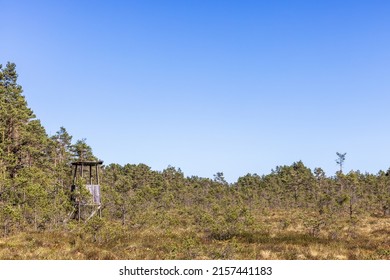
(90, 174)
(79, 214)
(97, 175)
(75, 175)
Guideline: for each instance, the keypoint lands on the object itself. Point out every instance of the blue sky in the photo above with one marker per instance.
(208, 86)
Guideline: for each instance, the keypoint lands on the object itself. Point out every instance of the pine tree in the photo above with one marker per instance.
(14, 119)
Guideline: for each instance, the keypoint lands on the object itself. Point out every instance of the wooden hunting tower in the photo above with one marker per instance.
(86, 201)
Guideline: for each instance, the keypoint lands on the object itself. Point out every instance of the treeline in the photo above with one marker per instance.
(135, 195)
(35, 180)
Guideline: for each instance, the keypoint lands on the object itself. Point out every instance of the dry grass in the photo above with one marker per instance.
(276, 235)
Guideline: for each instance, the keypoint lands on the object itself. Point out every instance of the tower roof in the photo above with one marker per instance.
(87, 163)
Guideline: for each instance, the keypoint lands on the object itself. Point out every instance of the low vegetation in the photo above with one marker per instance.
(269, 238)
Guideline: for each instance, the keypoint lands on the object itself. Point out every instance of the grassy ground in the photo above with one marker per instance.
(272, 236)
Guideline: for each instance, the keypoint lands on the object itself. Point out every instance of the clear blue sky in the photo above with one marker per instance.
(232, 86)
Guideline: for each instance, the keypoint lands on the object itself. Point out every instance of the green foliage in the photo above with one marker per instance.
(82, 151)
(34, 168)
(340, 160)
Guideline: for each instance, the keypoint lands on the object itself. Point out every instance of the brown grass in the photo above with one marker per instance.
(273, 236)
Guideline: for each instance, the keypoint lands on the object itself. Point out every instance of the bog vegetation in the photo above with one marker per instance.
(291, 213)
